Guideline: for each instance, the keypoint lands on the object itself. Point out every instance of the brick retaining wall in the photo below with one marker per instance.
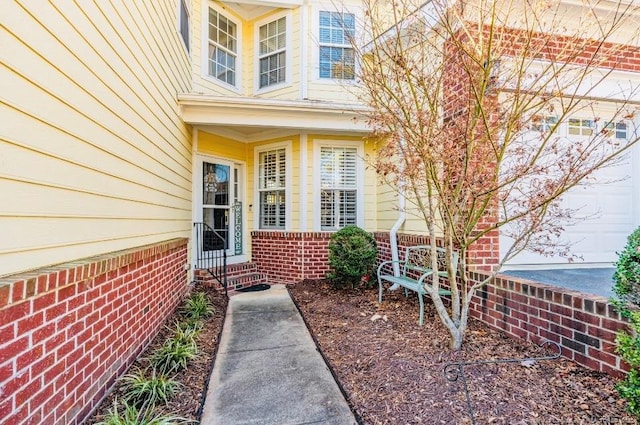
(67, 332)
(584, 325)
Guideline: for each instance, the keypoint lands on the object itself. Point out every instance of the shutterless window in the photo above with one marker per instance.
(543, 124)
(580, 127)
(273, 55)
(271, 186)
(337, 59)
(223, 48)
(184, 23)
(338, 183)
(617, 130)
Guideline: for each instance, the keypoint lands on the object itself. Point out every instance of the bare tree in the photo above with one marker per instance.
(466, 99)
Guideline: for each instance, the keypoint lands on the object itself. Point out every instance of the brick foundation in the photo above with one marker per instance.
(287, 257)
(67, 332)
(584, 325)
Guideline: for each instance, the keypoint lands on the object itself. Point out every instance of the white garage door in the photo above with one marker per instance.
(610, 211)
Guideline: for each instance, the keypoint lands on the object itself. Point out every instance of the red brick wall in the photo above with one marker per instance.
(67, 332)
(287, 257)
(584, 325)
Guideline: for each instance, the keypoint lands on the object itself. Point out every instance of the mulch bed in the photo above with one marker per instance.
(194, 378)
(392, 370)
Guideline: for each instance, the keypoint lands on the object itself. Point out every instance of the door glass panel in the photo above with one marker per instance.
(215, 202)
(217, 219)
(215, 185)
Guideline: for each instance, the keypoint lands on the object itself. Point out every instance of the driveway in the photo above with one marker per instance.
(597, 281)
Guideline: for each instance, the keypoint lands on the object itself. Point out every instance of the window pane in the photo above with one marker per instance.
(215, 184)
(325, 19)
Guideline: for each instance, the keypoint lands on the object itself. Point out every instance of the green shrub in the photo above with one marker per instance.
(627, 290)
(198, 306)
(187, 332)
(142, 390)
(173, 356)
(352, 256)
(627, 274)
(131, 415)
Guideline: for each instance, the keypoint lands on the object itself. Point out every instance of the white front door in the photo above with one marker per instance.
(219, 205)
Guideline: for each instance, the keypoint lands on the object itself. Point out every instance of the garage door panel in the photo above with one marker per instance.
(609, 211)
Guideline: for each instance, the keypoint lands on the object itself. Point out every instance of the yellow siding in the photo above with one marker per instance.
(93, 155)
(222, 147)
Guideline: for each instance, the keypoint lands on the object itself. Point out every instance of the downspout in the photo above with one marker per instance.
(393, 233)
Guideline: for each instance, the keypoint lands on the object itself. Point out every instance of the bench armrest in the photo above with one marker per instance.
(385, 263)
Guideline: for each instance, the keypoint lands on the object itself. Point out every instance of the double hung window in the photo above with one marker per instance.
(272, 188)
(223, 48)
(337, 58)
(338, 187)
(272, 55)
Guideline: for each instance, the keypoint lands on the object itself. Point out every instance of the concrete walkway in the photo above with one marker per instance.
(268, 370)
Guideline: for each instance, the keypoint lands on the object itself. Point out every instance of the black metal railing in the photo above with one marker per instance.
(211, 252)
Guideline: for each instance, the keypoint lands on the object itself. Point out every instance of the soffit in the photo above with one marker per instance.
(245, 118)
(252, 9)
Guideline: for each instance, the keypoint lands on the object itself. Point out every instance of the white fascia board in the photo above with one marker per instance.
(288, 4)
(269, 113)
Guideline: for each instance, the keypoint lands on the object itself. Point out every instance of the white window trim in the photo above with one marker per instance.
(287, 185)
(187, 5)
(288, 53)
(360, 169)
(204, 47)
(315, 31)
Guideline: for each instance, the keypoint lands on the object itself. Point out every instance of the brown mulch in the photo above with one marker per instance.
(194, 378)
(392, 370)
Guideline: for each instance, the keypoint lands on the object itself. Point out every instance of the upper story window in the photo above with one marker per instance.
(223, 48)
(338, 187)
(337, 58)
(184, 23)
(272, 55)
(272, 173)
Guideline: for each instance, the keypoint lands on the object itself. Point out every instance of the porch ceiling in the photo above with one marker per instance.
(247, 119)
(251, 9)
